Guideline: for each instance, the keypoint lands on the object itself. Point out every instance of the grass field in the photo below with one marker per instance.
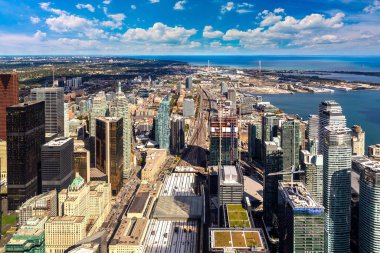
(236, 239)
(237, 216)
(8, 219)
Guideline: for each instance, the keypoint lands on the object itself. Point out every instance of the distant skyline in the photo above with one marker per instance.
(190, 27)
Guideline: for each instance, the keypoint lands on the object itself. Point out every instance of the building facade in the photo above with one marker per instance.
(291, 145)
(25, 136)
(188, 109)
(3, 160)
(358, 140)
(177, 134)
(9, 96)
(162, 133)
(189, 83)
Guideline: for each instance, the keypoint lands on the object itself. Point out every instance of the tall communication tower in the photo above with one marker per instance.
(260, 66)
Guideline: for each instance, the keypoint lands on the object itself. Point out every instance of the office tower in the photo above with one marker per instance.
(312, 127)
(9, 96)
(337, 188)
(177, 134)
(230, 185)
(254, 140)
(25, 136)
(189, 83)
(81, 160)
(330, 113)
(188, 109)
(223, 140)
(312, 165)
(163, 124)
(358, 140)
(178, 89)
(43, 205)
(57, 164)
(290, 144)
(66, 120)
(3, 160)
(272, 164)
(369, 206)
(30, 237)
(223, 88)
(120, 108)
(109, 150)
(270, 127)
(98, 109)
(231, 95)
(301, 219)
(54, 108)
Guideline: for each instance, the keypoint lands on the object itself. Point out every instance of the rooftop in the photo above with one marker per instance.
(131, 232)
(237, 216)
(179, 184)
(139, 202)
(229, 175)
(57, 142)
(178, 207)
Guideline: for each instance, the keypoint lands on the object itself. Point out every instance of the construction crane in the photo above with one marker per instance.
(284, 172)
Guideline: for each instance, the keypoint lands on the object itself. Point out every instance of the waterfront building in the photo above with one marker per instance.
(374, 151)
(270, 127)
(369, 204)
(30, 237)
(337, 188)
(188, 109)
(54, 108)
(82, 160)
(177, 134)
(272, 163)
(254, 140)
(312, 165)
(40, 206)
(3, 160)
(57, 164)
(358, 140)
(25, 136)
(119, 107)
(109, 150)
(330, 113)
(9, 96)
(301, 219)
(223, 140)
(163, 124)
(230, 185)
(189, 83)
(291, 145)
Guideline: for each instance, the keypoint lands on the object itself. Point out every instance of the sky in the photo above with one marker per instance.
(195, 27)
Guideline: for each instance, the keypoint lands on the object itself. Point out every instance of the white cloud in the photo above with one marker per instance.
(244, 8)
(373, 8)
(107, 1)
(133, 7)
(208, 32)
(39, 35)
(65, 23)
(279, 10)
(159, 32)
(194, 44)
(46, 7)
(180, 5)
(229, 6)
(35, 20)
(215, 44)
(270, 19)
(116, 20)
(89, 7)
(154, 1)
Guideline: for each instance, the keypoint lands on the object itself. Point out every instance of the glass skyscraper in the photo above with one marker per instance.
(163, 124)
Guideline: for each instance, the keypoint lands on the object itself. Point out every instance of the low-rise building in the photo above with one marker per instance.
(155, 158)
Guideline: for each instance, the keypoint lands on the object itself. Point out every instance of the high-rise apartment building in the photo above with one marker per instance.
(223, 140)
(291, 145)
(270, 127)
(177, 134)
(162, 133)
(337, 188)
(312, 127)
(9, 96)
(189, 83)
(57, 164)
(25, 136)
(272, 163)
(254, 140)
(358, 140)
(109, 150)
(369, 206)
(119, 108)
(54, 108)
(312, 165)
(301, 219)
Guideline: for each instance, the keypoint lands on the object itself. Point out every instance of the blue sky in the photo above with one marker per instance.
(139, 27)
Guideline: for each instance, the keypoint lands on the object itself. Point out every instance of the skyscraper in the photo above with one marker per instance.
(254, 140)
(119, 108)
(330, 113)
(223, 140)
(163, 124)
(109, 150)
(313, 167)
(8, 97)
(57, 164)
(290, 144)
(358, 140)
(177, 134)
(189, 83)
(301, 219)
(369, 206)
(231, 95)
(272, 163)
(270, 127)
(3, 160)
(312, 127)
(25, 136)
(98, 109)
(82, 160)
(178, 88)
(337, 188)
(54, 108)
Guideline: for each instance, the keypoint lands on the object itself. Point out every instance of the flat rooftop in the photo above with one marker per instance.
(139, 202)
(249, 240)
(57, 142)
(178, 207)
(179, 184)
(172, 236)
(229, 175)
(131, 232)
(237, 216)
(299, 197)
